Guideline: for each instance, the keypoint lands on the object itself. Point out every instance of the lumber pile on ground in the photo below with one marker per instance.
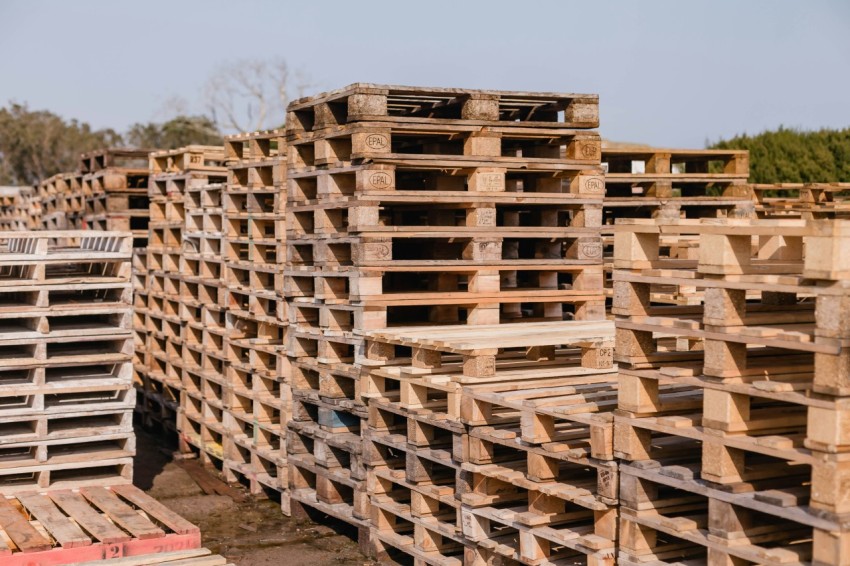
(201, 423)
(730, 425)
(115, 191)
(66, 387)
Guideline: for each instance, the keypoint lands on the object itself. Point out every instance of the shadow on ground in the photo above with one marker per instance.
(251, 533)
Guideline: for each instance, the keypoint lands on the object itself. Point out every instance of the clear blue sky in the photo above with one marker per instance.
(669, 73)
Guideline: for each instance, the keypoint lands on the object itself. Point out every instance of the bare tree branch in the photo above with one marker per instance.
(248, 95)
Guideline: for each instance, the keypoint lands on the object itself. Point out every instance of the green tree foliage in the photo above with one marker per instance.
(177, 132)
(792, 156)
(37, 144)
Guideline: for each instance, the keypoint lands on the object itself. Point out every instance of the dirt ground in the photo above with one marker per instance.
(251, 533)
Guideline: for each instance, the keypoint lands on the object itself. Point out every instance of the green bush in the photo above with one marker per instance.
(793, 156)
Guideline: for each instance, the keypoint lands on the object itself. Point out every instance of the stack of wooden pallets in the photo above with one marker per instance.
(66, 388)
(731, 414)
(171, 174)
(12, 214)
(30, 207)
(61, 199)
(139, 275)
(71, 188)
(202, 295)
(414, 206)
(52, 216)
(115, 191)
(257, 394)
(802, 200)
(488, 444)
(673, 183)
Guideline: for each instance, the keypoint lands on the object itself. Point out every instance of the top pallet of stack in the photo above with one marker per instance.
(113, 157)
(189, 158)
(364, 102)
(255, 146)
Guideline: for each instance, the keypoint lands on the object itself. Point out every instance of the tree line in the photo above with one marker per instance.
(789, 155)
(35, 144)
(239, 96)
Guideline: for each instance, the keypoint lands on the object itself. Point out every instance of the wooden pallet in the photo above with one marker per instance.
(806, 200)
(460, 143)
(92, 524)
(418, 520)
(189, 158)
(107, 158)
(485, 184)
(668, 515)
(687, 164)
(402, 104)
(255, 146)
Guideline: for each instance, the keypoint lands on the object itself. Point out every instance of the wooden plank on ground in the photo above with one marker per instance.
(210, 484)
(194, 557)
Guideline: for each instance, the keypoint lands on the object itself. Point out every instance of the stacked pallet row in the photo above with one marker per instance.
(490, 444)
(673, 183)
(30, 208)
(12, 215)
(256, 395)
(62, 201)
(66, 388)
(732, 415)
(115, 191)
(74, 200)
(423, 206)
(802, 200)
(168, 312)
(201, 423)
